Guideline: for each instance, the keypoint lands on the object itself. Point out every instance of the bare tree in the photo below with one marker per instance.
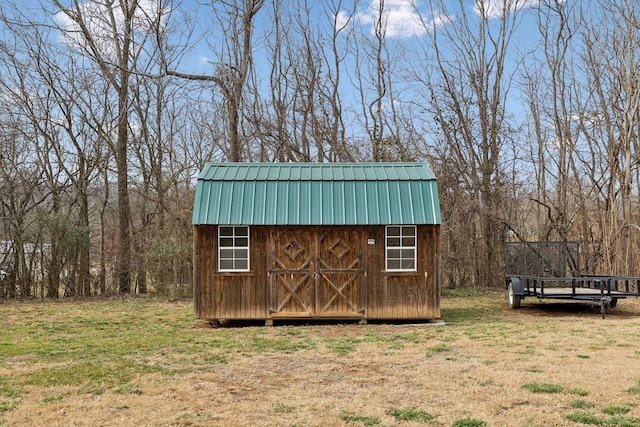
(584, 97)
(302, 120)
(107, 33)
(21, 191)
(609, 123)
(376, 76)
(334, 126)
(466, 84)
(553, 105)
(235, 19)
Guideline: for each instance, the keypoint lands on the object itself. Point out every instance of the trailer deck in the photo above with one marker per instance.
(552, 270)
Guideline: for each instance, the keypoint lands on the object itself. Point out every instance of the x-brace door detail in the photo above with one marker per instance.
(316, 272)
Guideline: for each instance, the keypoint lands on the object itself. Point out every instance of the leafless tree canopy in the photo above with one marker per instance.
(528, 112)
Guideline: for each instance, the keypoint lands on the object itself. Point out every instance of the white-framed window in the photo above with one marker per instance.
(400, 247)
(233, 248)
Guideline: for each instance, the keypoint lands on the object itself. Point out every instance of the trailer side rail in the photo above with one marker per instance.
(584, 287)
(604, 290)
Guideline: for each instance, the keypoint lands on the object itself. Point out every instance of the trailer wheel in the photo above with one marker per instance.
(512, 298)
(613, 302)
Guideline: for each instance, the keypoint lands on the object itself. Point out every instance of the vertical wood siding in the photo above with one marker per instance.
(344, 274)
(229, 295)
(404, 295)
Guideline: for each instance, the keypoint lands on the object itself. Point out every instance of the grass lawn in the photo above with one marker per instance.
(145, 362)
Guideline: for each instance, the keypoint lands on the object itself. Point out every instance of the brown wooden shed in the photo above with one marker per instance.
(314, 240)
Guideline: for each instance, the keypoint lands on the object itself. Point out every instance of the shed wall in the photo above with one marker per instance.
(404, 295)
(382, 294)
(229, 295)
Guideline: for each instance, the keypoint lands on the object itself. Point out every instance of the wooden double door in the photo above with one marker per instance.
(316, 272)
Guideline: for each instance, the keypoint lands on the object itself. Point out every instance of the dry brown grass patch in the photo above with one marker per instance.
(169, 371)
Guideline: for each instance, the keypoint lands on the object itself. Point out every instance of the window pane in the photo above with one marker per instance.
(226, 254)
(242, 241)
(393, 264)
(242, 231)
(408, 264)
(393, 241)
(240, 254)
(226, 264)
(393, 253)
(407, 253)
(408, 231)
(242, 264)
(393, 231)
(226, 231)
(408, 241)
(226, 242)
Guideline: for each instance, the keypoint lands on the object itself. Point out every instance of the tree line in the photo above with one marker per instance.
(527, 111)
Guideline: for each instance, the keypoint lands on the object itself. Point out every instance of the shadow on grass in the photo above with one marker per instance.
(253, 323)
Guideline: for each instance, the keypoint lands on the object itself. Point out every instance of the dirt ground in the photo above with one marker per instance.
(476, 366)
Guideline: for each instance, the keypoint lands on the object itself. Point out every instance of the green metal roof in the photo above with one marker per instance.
(316, 194)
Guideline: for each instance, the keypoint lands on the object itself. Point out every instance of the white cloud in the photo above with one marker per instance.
(96, 17)
(498, 8)
(400, 18)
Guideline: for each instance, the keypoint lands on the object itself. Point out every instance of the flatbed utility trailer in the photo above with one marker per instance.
(552, 270)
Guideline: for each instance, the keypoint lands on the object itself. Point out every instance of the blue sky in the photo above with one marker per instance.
(406, 21)
(407, 25)
(408, 18)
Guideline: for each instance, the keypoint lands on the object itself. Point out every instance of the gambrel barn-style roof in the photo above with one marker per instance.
(316, 194)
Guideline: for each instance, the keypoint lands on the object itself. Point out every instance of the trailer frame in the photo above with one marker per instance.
(551, 270)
